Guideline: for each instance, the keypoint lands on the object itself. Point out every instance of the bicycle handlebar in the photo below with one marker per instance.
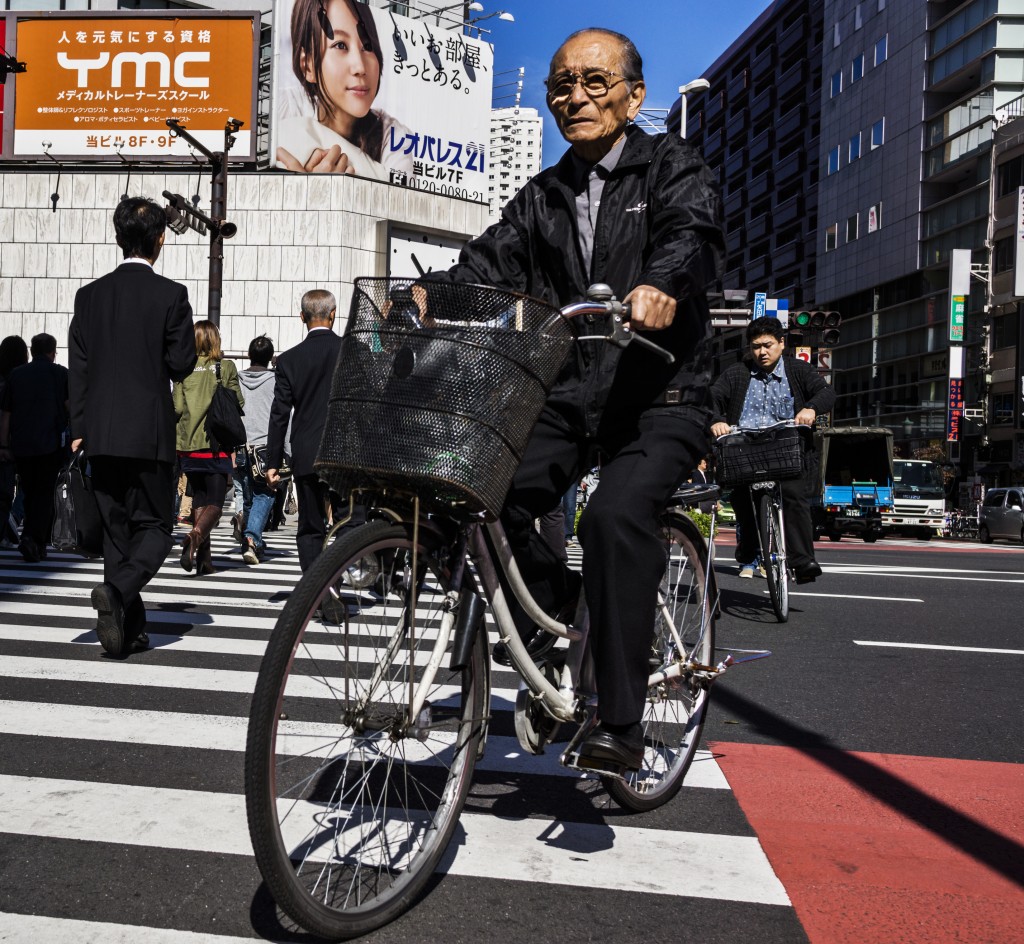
(602, 302)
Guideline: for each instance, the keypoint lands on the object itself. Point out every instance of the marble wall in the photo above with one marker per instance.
(294, 233)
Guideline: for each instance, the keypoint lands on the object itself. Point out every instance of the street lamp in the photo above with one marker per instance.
(500, 14)
(684, 90)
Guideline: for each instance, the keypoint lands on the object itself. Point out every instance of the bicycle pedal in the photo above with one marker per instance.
(592, 765)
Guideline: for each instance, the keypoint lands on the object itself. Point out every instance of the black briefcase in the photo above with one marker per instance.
(77, 526)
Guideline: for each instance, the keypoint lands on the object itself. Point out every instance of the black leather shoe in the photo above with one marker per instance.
(538, 643)
(625, 748)
(808, 572)
(135, 637)
(106, 600)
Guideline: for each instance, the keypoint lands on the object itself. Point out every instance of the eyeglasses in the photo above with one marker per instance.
(596, 83)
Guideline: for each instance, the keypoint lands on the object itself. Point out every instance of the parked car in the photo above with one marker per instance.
(1002, 515)
(725, 513)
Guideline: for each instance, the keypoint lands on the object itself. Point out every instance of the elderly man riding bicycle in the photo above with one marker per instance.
(642, 214)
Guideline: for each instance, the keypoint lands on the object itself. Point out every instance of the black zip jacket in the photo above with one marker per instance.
(659, 224)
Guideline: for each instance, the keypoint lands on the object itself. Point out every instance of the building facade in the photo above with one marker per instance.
(516, 141)
(898, 111)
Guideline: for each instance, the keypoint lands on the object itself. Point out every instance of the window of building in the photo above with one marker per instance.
(874, 217)
(835, 36)
(1010, 176)
(1004, 332)
(854, 149)
(857, 68)
(837, 83)
(878, 133)
(831, 235)
(881, 5)
(833, 160)
(851, 227)
(1004, 254)
(882, 50)
(858, 19)
(1002, 408)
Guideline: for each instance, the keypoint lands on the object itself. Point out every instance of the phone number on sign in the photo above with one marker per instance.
(432, 186)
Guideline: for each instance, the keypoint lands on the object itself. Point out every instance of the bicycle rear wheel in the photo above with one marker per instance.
(773, 554)
(350, 804)
(684, 632)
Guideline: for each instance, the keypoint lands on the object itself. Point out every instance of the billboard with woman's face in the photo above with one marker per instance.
(363, 91)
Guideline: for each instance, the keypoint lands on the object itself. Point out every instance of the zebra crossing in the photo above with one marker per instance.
(122, 809)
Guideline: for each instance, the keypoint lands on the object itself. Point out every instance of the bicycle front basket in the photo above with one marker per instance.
(759, 455)
(437, 389)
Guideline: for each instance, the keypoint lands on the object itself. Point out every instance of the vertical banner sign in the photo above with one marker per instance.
(956, 409)
(97, 87)
(957, 305)
(1018, 256)
(959, 287)
(389, 97)
(955, 405)
(760, 303)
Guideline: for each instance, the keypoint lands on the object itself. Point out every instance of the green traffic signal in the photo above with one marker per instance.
(803, 318)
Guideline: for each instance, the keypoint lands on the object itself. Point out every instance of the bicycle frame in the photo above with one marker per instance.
(569, 699)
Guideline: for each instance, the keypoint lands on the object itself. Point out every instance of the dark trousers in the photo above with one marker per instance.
(796, 515)
(37, 477)
(208, 488)
(313, 496)
(135, 500)
(643, 460)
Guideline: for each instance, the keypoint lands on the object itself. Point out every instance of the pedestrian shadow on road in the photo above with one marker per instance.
(753, 607)
(972, 837)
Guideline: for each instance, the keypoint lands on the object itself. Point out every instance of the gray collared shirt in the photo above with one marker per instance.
(769, 398)
(589, 187)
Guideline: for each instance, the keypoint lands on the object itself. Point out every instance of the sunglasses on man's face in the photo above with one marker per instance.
(596, 83)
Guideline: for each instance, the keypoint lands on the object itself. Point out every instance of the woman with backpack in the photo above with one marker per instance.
(206, 464)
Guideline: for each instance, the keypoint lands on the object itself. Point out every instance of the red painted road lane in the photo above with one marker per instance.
(888, 849)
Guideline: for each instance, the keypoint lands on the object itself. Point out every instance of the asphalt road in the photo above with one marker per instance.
(864, 783)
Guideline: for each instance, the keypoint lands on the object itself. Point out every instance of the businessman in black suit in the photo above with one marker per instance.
(130, 337)
(303, 385)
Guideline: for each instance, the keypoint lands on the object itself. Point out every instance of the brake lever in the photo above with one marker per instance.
(622, 336)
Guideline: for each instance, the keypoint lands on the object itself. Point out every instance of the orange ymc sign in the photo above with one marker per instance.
(97, 86)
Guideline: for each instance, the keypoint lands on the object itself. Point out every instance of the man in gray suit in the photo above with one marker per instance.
(130, 337)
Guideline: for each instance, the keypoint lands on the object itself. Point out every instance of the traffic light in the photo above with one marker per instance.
(825, 322)
(830, 330)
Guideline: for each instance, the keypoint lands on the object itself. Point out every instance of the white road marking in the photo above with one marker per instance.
(921, 645)
(16, 928)
(228, 733)
(586, 855)
(852, 596)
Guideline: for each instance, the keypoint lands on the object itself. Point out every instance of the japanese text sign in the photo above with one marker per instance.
(97, 86)
(389, 97)
(956, 409)
(956, 318)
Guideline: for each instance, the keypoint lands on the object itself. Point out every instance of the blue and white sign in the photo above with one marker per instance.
(777, 308)
(759, 302)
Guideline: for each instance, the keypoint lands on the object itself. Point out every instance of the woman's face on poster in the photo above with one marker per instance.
(351, 73)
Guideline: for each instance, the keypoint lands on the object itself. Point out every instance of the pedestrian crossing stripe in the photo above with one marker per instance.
(56, 693)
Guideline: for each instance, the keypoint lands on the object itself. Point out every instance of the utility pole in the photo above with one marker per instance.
(181, 215)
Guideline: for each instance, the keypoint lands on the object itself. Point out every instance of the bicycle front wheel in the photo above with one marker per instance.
(684, 633)
(351, 802)
(773, 554)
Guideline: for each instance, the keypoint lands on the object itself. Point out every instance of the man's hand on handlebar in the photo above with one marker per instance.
(805, 417)
(720, 429)
(652, 309)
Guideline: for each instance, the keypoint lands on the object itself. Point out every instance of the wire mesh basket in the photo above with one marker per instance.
(437, 389)
(759, 455)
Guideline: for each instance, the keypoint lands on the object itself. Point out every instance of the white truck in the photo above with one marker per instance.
(919, 499)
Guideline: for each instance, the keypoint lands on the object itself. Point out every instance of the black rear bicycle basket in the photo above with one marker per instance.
(437, 389)
(759, 455)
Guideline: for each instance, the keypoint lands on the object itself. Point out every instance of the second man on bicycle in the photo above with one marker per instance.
(762, 389)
